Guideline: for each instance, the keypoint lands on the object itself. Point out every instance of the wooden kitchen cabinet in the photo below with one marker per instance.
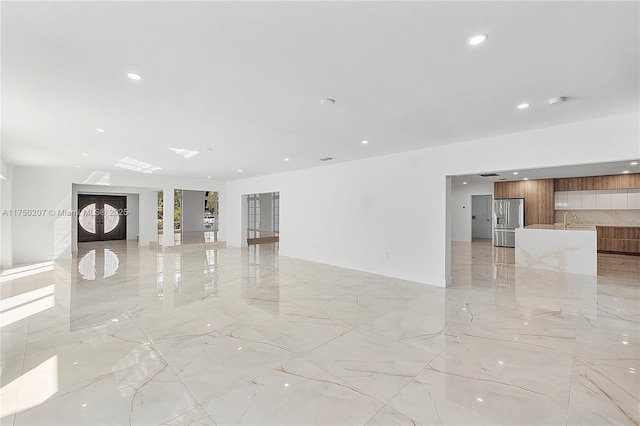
(626, 181)
(538, 198)
(619, 239)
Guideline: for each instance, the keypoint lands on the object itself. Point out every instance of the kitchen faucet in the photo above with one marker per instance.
(564, 223)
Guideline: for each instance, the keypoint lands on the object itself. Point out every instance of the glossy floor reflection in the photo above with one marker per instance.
(123, 335)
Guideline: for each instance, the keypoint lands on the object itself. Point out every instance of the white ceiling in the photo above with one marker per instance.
(245, 78)
(599, 169)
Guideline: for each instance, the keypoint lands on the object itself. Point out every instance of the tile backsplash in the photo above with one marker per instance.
(602, 217)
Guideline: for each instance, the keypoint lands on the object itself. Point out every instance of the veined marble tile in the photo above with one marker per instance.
(376, 365)
(348, 308)
(604, 393)
(167, 332)
(300, 329)
(195, 417)
(619, 304)
(13, 342)
(213, 364)
(140, 389)
(113, 331)
(552, 330)
(83, 356)
(295, 393)
(390, 417)
(605, 377)
(443, 398)
(162, 322)
(427, 331)
(535, 367)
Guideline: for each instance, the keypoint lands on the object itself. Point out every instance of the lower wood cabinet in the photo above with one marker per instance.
(619, 239)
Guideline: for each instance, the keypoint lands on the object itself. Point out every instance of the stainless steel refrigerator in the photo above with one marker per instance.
(508, 214)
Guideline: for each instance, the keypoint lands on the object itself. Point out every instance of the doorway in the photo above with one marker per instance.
(481, 216)
(263, 218)
(102, 218)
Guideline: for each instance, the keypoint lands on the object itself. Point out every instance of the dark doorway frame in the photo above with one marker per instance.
(119, 203)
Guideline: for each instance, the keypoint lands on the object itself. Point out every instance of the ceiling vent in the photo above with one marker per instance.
(326, 159)
(489, 175)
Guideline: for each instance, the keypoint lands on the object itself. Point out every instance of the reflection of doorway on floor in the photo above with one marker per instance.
(263, 218)
(481, 216)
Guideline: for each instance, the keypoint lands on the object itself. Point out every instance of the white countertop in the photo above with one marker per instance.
(559, 227)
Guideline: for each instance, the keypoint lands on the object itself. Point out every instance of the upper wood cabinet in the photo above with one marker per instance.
(538, 198)
(626, 181)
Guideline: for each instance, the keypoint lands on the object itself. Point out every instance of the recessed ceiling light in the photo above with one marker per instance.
(515, 173)
(464, 183)
(100, 130)
(208, 177)
(634, 163)
(478, 39)
(365, 142)
(526, 178)
(85, 155)
(286, 159)
(625, 171)
(523, 106)
(328, 101)
(134, 76)
(239, 170)
(77, 167)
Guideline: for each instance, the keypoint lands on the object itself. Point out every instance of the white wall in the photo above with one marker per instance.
(461, 208)
(148, 228)
(192, 211)
(399, 222)
(52, 237)
(133, 216)
(6, 252)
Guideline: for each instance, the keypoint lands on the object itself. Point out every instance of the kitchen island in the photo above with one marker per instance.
(552, 247)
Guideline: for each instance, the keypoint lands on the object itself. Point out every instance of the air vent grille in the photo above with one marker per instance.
(490, 175)
(326, 159)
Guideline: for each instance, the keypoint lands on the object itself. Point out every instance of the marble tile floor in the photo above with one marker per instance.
(122, 335)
